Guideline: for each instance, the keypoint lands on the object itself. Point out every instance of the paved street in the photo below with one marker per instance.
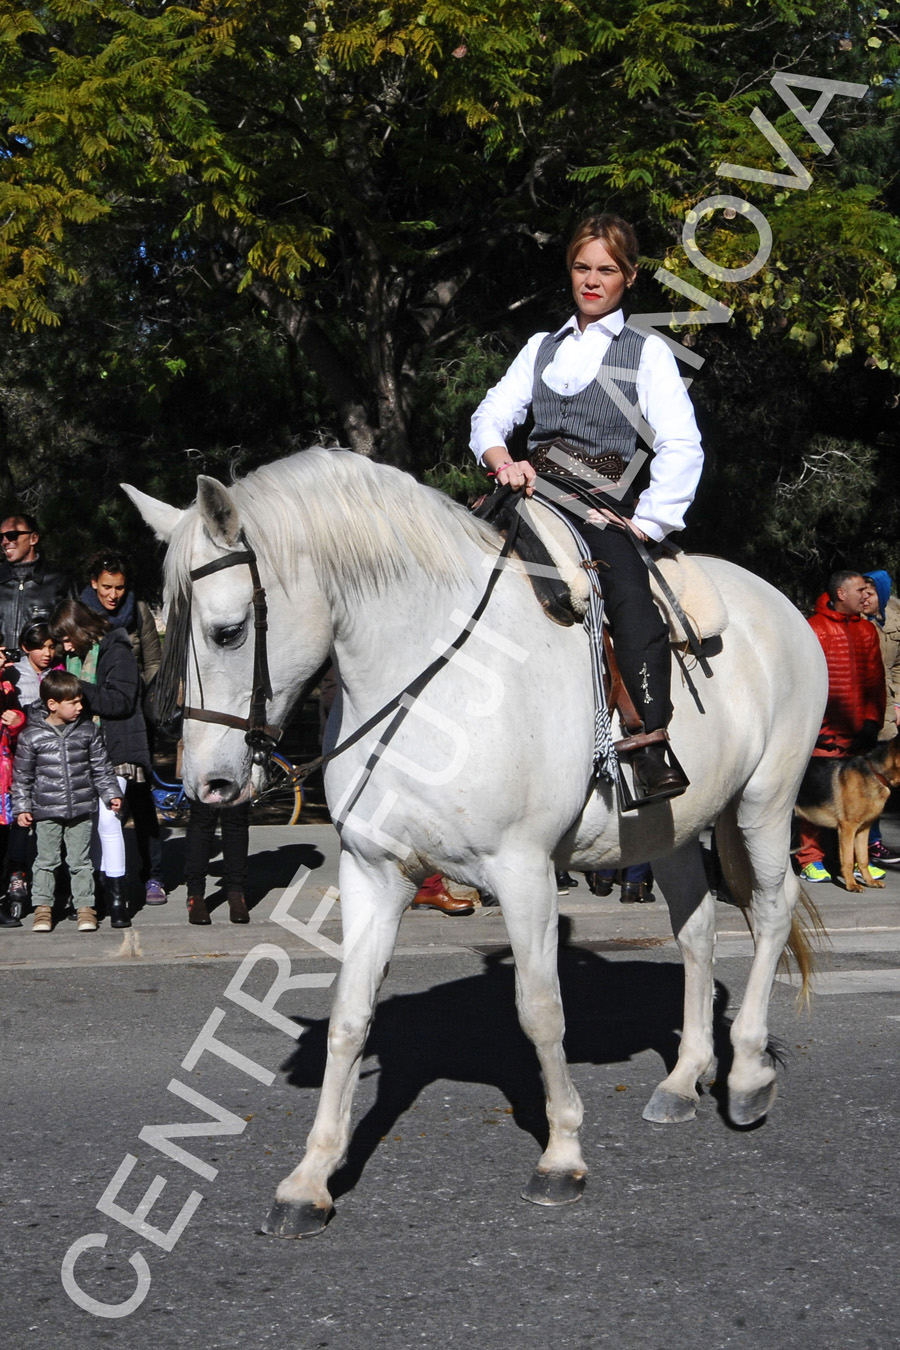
(782, 1236)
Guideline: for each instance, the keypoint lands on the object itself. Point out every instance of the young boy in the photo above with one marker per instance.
(61, 768)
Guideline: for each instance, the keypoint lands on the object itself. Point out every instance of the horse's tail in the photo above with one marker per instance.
(808, 930)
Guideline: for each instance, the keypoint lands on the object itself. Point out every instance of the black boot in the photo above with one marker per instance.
(117, 902)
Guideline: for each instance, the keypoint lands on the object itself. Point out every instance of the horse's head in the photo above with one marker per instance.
(236, 652)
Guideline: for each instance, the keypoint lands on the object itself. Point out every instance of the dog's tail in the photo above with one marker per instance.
(808, 933)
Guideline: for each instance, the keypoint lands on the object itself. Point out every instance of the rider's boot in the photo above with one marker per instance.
(657, 776)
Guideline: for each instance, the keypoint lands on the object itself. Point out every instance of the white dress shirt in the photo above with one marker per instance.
(677, 457)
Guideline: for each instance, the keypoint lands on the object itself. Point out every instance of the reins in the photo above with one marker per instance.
(406, 698)
(260, 735)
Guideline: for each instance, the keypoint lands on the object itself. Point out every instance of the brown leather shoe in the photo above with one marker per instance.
(598, 885)
(197, 911)
(237, 907)
(656, 776)
(431, 896)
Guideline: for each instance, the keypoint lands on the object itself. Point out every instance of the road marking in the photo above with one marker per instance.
(853, 982)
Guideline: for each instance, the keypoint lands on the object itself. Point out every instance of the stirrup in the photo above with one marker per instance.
(634, 795)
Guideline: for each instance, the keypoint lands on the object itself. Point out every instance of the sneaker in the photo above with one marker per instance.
(564, 883)
(875, 872)
(879, 852)
(87, 921)
(814, 871)
(154, 894)
(17, 894)
(43, 919)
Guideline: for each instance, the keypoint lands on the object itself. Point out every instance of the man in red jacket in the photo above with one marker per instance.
(856, 692)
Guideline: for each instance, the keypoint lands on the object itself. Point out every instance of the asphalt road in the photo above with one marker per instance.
(781, 1236)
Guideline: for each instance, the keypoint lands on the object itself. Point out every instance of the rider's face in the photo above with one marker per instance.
(598, 282)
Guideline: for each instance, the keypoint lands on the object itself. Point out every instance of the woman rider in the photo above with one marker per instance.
(555, 377)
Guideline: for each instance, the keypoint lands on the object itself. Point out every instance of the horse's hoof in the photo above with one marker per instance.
(296, 1221)
(668, 1108)
(746, 1108)
(554, 1188)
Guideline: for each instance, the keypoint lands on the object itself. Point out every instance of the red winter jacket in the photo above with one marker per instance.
(856, 685)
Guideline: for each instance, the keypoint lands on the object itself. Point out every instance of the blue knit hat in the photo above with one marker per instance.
(882, 583)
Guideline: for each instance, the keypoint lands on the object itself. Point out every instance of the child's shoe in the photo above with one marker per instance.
(87, 920)
(43, 919)
(154, 893)
(814, 871)
(17, 894)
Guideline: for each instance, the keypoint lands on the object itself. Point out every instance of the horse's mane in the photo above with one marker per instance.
(365, 525)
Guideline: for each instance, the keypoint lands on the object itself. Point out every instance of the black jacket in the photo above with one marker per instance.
(59, 773)
(28, 591)
(116, 699)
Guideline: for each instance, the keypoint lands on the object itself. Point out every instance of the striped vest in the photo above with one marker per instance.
(590, 421)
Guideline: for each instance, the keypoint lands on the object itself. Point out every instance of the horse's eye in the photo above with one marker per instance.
(229, 636)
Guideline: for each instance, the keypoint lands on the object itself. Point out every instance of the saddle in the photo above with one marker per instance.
(562, 584)
(688, 598)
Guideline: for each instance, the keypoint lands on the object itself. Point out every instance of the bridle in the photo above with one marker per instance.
(259, 734)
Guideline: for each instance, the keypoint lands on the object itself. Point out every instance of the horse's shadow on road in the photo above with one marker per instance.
(467, 1030)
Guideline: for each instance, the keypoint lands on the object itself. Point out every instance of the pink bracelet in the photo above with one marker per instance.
(492, 473)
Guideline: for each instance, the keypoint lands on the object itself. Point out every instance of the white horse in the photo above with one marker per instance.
(488, 778)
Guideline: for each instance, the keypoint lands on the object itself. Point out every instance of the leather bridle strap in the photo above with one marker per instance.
(258, 731)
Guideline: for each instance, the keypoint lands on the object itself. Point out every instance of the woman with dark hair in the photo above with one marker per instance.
(102, 659)
(109, 594)
(585, 384)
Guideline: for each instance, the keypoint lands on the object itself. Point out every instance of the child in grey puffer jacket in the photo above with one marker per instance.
(61, 769)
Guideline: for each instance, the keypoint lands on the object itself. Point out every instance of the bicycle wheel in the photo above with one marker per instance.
(282, 801)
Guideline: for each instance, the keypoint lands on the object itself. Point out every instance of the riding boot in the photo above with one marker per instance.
(658, 778)
(117, 902)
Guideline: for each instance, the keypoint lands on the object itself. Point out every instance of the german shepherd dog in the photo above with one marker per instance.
(848, 795)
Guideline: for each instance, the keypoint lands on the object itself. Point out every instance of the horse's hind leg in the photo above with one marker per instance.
(302, 1200)
(760, 832)
(682, 879)
(528, 900)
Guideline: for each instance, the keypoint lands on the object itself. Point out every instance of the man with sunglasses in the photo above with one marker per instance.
(29, 590)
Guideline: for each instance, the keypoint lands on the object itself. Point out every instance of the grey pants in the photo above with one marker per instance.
(51, 835)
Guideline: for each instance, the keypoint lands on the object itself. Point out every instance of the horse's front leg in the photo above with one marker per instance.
(529, 904)
(693, 914)
(375, 901)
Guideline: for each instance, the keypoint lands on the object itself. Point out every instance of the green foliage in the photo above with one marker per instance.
(241, 225)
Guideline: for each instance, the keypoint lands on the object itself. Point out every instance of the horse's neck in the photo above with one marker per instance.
(382, 642)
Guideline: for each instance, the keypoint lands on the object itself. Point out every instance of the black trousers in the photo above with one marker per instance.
(639, 631)
(146, 828)
(198, 845)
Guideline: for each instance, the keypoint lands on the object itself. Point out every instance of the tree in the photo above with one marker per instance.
(374, 196)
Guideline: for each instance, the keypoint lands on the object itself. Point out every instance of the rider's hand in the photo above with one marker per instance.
(518, 473)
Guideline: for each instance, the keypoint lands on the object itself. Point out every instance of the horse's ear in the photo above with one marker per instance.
(217, 511)
(161, 518)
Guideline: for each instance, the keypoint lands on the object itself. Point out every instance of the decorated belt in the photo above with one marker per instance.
(564, 461)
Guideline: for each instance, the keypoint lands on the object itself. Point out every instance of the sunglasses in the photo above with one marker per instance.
(12, 535)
